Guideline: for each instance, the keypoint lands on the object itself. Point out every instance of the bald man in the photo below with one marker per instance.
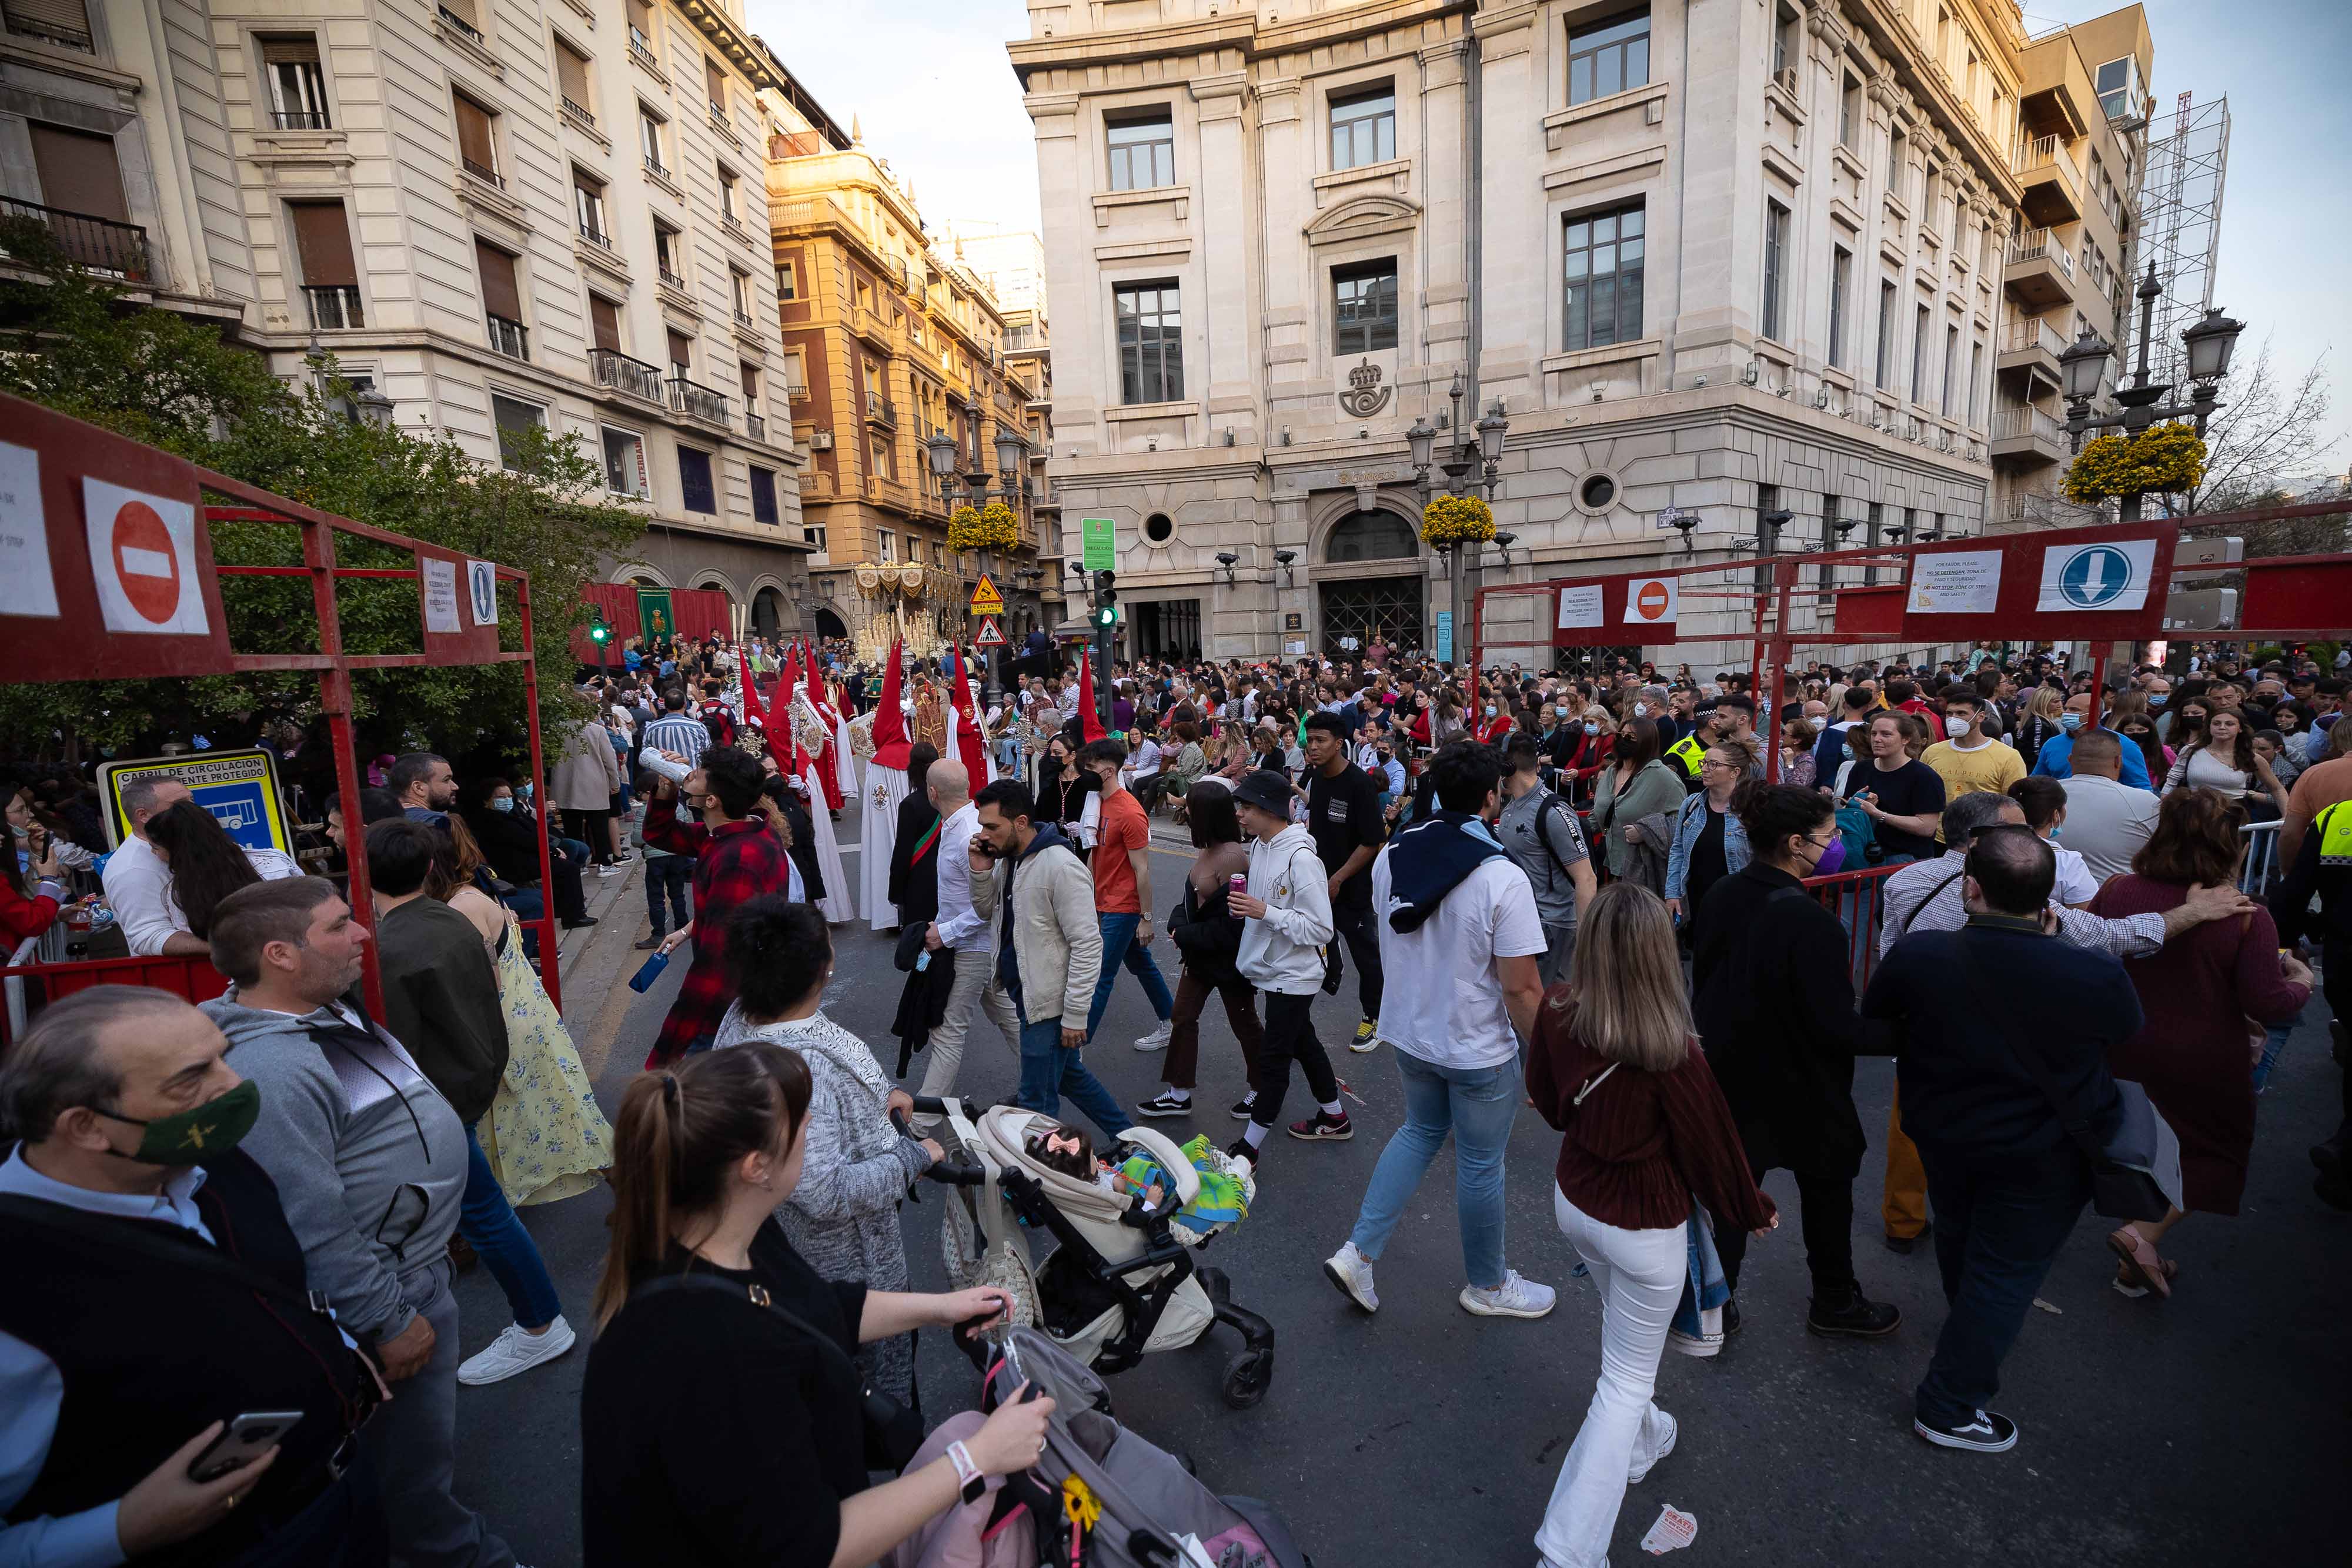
(961, 936)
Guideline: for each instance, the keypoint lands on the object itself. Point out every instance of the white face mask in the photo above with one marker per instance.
(1818, 722)
(1640, 710)
(1956, 727)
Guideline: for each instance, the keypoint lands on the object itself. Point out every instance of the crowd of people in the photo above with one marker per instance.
(1606, 886)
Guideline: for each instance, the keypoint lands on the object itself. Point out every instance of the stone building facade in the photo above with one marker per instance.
(1730, 257)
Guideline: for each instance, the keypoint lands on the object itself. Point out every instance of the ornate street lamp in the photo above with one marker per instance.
(1466, 452)
(2210, 342)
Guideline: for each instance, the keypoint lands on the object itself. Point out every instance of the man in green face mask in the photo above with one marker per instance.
(143, 1235)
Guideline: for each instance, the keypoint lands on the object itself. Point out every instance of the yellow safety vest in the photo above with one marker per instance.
(2335, 828)
(1689, 752)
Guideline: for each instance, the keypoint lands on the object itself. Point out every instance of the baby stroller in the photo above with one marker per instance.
(1121, 1281)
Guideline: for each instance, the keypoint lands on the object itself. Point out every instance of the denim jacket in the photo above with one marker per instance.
(1687, 827)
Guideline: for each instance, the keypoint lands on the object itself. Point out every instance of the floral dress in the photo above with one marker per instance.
(545, 1136)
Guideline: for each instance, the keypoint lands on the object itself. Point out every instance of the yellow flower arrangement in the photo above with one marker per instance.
(1457, 520)
(992, 526)
(2163, 458)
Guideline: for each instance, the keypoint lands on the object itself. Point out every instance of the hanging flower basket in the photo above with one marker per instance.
(1455, 520)
(2163, 458)
(992, 526)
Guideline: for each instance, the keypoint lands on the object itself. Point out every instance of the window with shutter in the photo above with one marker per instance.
(681, 351)
(588, 206)
(325, 242)
(297, 87)
(716, 81)
(605, 318)
(77, 171)
(464, 11)
(501, 296)
(572, 73)
(65, 23)
(477, 146)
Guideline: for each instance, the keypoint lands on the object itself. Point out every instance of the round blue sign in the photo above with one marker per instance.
(2094, 576)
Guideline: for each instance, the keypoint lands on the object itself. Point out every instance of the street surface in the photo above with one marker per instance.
(2211, 1428)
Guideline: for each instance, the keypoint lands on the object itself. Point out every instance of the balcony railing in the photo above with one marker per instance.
(881, 410)
(672, 278)
(699, 401)
(596, 236)
(641, 50)
(616, 370)
(754, 427)
(509, 338)
(482, 172)
(334, 307)
(462, 25)
(48, 31)
(2015, 424)
(2023, 335)
(581, 112)
(300, 120)
(743, 319)
(2035, 244)
(2051, 511)
(654, 167)
(98, 244)
(796, 391)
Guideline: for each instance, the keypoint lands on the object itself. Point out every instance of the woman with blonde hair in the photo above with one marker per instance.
(2043, 719)
(1645, 1132)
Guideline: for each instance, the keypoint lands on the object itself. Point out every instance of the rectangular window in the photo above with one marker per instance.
(681, 354)
(2117, 85)
(1776, 245)
(788, 285)
(1601, 269)
(1976, 385)
(748, 375)
(1919, 358)
(512, 416)
(78, 173)
(882, 544)
(1897, 148)
(572, 80)
(1786, 49)
(739, 286)
(1849, 115)
(1841, 282)
(604, 320)
(1611, 55)
(641, 25)
(298, 88)
(1886, 302)
(667, 256)
(624, 462)
(330, 277)
(1951, 365)
(1142, 151)
(1150, 341)
(726, 194)
(501, 299)
(476, 140)
(64, 23)
(1364, 128)
(1767, 532)
(588, 208)
(715, 82)
(1364, 306)
(763, 496)
(694, 481)
(649, 143)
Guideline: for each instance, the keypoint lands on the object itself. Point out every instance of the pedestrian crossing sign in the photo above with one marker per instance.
(985, 599)
(991, 635)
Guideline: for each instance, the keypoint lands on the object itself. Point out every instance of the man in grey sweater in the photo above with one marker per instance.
(371, 1164)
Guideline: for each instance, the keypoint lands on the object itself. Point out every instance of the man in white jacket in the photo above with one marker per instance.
(1287, 920)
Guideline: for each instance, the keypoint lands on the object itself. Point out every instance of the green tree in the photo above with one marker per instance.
(69, 340)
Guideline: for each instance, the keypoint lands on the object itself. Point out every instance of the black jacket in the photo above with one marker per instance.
(441, 1002)
(1772, 995)
(509, 842)
(1207, 935)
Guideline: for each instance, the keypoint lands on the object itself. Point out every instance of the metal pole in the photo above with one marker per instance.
(551, 936)
(335, 699)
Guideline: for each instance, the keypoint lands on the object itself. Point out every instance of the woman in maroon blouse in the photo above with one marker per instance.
(2195, 1052)
(1645, 1131)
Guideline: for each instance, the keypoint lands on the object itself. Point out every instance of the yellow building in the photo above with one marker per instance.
(886, 345)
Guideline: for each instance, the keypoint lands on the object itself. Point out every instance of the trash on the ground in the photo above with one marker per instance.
(1351, 1094)
(2053, 1311)
(1674, 1528)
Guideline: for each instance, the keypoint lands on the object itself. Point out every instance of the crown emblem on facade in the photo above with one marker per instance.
(1365, 396)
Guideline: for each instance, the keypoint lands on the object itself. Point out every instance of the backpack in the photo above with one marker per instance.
(714, 719)
(1543, 814)
(1855, 826)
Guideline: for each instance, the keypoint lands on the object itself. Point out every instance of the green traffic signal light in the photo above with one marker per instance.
(1106, 616)
(598, 632)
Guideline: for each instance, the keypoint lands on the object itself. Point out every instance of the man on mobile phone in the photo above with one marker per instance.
(139, 1233)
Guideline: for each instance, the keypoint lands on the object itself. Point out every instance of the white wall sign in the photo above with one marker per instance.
(440, 584)
(1652, 601)
(482, 589)
(142, 551)
(1955, 582)
(2101, 575)
(1581, 607)
(27, 587)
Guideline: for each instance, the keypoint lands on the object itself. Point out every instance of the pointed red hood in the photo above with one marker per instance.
(1090, 725)
(751, 709)
(970, 747)
(890, 746)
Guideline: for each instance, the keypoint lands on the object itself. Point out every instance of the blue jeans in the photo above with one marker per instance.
(1120, 945)
(1049, 1071)
(667, 876)
(487, 1222)
(1999, 1226)
(1478, 1104)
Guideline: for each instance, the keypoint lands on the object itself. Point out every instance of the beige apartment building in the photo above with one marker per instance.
(1733, 258)
(493, 212)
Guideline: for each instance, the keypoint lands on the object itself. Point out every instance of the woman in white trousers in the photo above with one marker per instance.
(1645, 1135)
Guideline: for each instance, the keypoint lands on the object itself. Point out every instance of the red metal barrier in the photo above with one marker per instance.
(1859, 901)
(183, 975)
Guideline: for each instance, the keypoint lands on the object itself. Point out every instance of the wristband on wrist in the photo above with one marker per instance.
(970, 1484)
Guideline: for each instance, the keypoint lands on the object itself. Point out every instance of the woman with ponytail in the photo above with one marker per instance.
(721, 1409)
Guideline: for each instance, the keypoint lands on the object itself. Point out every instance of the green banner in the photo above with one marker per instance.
(657, 620)
(1100, 544)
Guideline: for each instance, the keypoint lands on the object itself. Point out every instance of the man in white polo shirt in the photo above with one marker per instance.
(138, 882)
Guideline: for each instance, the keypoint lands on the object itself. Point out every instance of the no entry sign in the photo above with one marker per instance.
(143, 552)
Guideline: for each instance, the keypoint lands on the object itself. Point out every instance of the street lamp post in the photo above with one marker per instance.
(2210, 342)
(1012, 450)
(1478, 449)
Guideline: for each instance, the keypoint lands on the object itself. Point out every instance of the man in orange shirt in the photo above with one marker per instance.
(1123, 866)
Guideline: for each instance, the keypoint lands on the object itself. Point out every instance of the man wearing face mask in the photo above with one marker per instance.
(2055, 759)
(1969, 760)
(138, 1228)
(370, 1162)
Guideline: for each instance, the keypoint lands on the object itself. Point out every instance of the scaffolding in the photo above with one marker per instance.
(2180, 224)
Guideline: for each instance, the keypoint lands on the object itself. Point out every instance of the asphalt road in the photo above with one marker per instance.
(2210, 1428)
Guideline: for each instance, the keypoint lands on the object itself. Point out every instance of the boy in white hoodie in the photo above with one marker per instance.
(1287, 921)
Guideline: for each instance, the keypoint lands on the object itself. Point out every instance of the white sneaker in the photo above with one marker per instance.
(1513, 1298)
(1158, 1038)
(514, 1351)
(1665, 1446)
(1352, 1272)
(614, 870)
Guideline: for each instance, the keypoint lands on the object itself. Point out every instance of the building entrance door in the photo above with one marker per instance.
(1390, 606)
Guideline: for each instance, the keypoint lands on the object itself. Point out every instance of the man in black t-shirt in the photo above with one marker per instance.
(1343, 813)
(1904, 800)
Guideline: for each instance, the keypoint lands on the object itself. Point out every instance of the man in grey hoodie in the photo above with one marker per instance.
(1287, 922)
(370, 1162)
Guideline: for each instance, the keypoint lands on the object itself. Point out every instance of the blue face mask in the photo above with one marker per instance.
(2155, 700)
(2069, 722)
(503, 803)
(1592, 729)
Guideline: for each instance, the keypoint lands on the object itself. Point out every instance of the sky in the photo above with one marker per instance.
(928, 81)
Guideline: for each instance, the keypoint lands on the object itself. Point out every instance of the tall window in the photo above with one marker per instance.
(502, 300)
(572, 80)
(1870, 537)
(588, 208)
(330, 279)
(681, 354)
(1364, 307)
(714, 80)
(1150, 341)
(1841, 284)
(298, 88)
(477, 141)
(1951, 365)
(1886, 303)
(1776, 245)
(1850, 116)
(882, 544)
(1897, 148)
(1767, 532)
(2117, 85)
(512, 416)
(1142, 151)
(1976, 385)
(763, 496)
(788, 280)
(1610, 56)
(740, 285)
(624, 462)
(668, 259)
(1364, 128)
(604, 323)
(1601, 278)
(649, 142)
(727, 207)
(1786, 50)
(695, 490)
(1919, 358)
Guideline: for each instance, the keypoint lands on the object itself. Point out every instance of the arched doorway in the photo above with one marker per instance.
(767, 613)
(828, 624)
(1356, 608)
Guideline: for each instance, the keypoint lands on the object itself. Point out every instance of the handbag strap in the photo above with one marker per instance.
(1932, 894)
(755, 1296)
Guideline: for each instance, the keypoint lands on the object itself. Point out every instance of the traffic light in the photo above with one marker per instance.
(599, 632)
(1106, 616)
(1105, 611)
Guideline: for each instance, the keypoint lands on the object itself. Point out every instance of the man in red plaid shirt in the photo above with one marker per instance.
(736, 858)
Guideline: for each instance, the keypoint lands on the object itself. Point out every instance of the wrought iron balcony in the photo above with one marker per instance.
(596, 236)
(462, 25)
(654, 167)
(672, 278)
(47, 30)
(755, 428)
(300, 119)
(580, 112)
(881, 410)
(482, 172)
(334, 306)
(616, 370)
(698, 401)
(509, 338)
(99, 244)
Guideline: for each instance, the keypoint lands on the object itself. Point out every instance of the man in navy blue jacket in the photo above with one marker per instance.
(2006, 1181)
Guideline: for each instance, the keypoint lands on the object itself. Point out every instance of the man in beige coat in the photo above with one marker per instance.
(587, 778)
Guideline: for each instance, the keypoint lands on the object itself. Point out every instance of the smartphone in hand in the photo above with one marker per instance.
(245, 1439)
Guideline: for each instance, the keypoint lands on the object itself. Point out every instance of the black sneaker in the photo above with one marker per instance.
(648, 944)
(1324, 1128)
(1984, 1432)
(1245, 1109)
(1731, 1317)
(1166, 1104)
(577, 922)
(1242, 1149)
(1849, 1315)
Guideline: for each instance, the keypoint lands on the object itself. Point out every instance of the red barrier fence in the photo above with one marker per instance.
(1858, 898)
